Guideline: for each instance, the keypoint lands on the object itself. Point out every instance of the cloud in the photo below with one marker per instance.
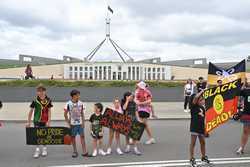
(216, 29)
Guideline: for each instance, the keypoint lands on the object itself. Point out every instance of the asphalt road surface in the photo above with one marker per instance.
(171, 149)
(27, 94)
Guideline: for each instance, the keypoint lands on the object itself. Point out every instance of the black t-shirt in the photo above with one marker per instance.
(245, 93)
(95, 121)
(201, 86)
(197, 124)
(131, 108)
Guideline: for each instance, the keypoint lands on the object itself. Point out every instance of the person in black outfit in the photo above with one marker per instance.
(129, 107)
(197, 127)
(201, 85)
(1, 104)
(245, 117)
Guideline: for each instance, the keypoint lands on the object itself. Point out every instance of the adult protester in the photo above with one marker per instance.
(28, 72)
(143, 100)
(201, 85)
(245, 117)
(219, 82)
(188, 92)
(129, 107)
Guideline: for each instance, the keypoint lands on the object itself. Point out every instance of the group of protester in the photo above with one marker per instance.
(137, 105)
(195, 102)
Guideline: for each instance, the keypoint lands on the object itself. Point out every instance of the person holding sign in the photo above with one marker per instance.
(245, 117)
(117, 108)
(129, 108)
(41, 108)
(197, 127)
(74, 116)
(143, 100)
(96, 129)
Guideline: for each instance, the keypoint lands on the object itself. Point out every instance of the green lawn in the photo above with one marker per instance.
(62, 83)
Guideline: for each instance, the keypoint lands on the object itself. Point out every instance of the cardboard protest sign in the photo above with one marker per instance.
(221, 103)
(226, 75)
(48, 136)
(122, 123)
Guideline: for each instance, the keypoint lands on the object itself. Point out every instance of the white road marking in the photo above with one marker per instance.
(171, 163)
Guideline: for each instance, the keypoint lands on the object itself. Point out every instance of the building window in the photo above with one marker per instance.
(70, 75)
(70, 68)
(149, 76)
(81, 75)
(119, 68)
(80, 68)
(86, 68)
(133, 73)
(163, 69)
(119, 77)
(137, 73)
(105, 72)
(153, 69)
(114, 75)
(91, 75)
(85, 75)
(129, 73)
(96, 72)
(100, 72)
(163, 76)
(124, 76)
(158, 76)
(76, 75)
(153, 76)
(109, 72)
(158, 69)
(76, 68)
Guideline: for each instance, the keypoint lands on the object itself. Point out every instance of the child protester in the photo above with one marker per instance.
(129, 107)
(117, 108)
(74, 116)
(41, 108)
(97, 130)
(197, 128)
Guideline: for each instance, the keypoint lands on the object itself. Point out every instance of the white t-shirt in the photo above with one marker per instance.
(75, 111)
(189, 89)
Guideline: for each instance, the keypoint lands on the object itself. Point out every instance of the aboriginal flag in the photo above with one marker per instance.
(226, 75)
(221, 103)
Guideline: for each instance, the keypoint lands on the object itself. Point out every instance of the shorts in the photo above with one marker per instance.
(76, 130)
(143, 114)
(197, 134)
(96, 136)
(245, 119)
(39, 124)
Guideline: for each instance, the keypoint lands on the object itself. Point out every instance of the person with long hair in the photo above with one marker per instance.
(143, 100)
(28, 72)
(129, 107)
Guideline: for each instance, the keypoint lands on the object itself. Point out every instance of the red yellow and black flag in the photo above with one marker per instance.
(221, 103)
(226, 75)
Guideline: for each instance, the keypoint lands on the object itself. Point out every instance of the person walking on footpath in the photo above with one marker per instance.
(143, 100)
(197, 128)
(188, 91)
(40, 109)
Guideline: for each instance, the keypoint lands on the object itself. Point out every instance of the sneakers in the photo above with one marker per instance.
(136, 151)
(240, 151)
(186, 111)
(101, 152)
(127, 149)
(205, 161)
(94, 154)
(193, 163)
(109, 151)
(119, 151)
(36, 153)
(150, 141)
(44, 152)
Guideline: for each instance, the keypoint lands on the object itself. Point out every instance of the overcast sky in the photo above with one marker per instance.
(171, 29)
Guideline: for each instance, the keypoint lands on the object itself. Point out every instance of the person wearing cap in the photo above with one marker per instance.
(143, 100)
(129, 107)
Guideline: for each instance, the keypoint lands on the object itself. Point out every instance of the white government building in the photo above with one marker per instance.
(116, 71)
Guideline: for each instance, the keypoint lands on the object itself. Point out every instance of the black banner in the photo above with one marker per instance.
(123, 124)
(48, 136)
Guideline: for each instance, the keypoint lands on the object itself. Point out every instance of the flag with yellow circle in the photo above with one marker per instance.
(221, 103)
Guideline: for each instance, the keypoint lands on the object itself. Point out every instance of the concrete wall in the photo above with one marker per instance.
(183, 73)
(38, 71)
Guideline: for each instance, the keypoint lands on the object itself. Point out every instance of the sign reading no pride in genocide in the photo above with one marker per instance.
(123, 124)
(48, 136)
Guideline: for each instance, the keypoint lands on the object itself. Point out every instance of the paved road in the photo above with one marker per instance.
(172, 137)
(26, 94)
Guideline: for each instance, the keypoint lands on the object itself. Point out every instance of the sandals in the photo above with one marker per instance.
(86, 155)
